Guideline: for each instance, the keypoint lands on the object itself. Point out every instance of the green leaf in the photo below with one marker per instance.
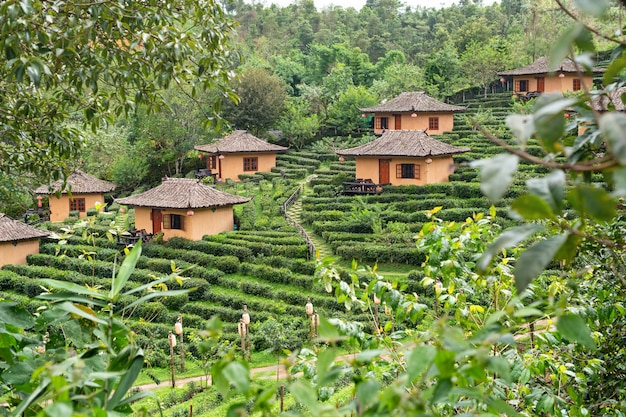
(574, 328)
(239, 376)
(304, 393)
(419, 360)
(532, 207)
(593, 7)
(444, 360)
(11, 313)
(613, 127)
(155, 294)
(127, 381)
(550, 121)
(619, 183)
(442, 390)
(59, 409)
(535, 259)
(72, 288)
(594, 202)
(325, 360)
(550, 188)
(126, 269)
(500, 366)
(562, 46)
(521, 126)
(615, 67)
(83, 312)
(568, 251)
(528, 312)
(502, 408)
(367, 392)
(496, 174)
(506, 240)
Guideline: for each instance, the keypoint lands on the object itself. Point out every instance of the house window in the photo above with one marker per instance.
(77, 204)
(433, 123)
(576, 84)
(212, 162)
(521, 86)
(408, 171)
(381, 123)
(250, 164)
(173, 221)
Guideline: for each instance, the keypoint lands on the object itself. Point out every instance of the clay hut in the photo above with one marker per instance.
(18, 240)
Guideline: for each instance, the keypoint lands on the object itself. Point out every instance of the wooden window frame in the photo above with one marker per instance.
(433, 123)
(174, 221)
(518, 86)
(381, 123)
(576, 84)
(251, 164)
(77, 204)
(402, 171)
(212, 162)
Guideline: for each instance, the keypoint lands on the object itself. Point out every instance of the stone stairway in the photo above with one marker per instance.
(321, 247)
(295, 210)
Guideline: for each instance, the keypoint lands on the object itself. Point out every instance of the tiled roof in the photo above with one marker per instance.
(182, 193)
(238, 142)
(411, 143)
(601, 102)
(79, 183)
(12, 230)
(541, 66)
(410, 102)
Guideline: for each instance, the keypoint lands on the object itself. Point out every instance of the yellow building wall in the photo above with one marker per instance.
(202, 222)
(430, 173)
(232, 164)
(553, 83)
(446, 122)
(60, 206)
(16, 255)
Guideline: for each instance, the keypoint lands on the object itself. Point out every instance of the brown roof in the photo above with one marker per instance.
(614, 98)
(12, 230)
(410, 102)
(182, 193)
(412, 143)
(79, 183)
(541, 66)
(240, 141)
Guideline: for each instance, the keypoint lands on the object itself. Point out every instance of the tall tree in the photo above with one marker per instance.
(261, 101)
(63, 59)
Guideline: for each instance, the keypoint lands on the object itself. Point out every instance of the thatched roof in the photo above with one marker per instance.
(12, 230)
(413, 102)
(182, 193)
(612, 98)
(78, 182)
(541, 66)
(411, 143)
(240, 141)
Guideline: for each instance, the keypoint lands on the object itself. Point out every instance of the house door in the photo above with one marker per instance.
(157, 220)
(398, 122)
(541, 84)
(383, 171)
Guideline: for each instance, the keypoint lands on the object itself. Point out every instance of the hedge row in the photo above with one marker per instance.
(284, 238)
(79, 250)
(227, 264)
(261, 248)
(368, 252)
(212, 248)
(295, 265)
(277, 275)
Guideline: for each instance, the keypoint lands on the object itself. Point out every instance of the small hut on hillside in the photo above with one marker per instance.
(404, 157)
(18, 240)
(538, 77)
(239, 153)
(81, 193)
(183, 207)
(413, 111)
